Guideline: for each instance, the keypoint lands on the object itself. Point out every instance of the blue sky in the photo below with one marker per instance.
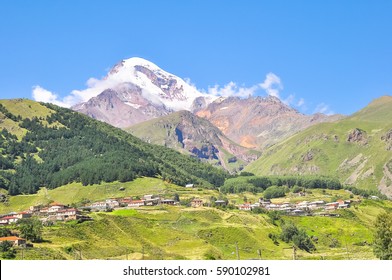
(328, 56)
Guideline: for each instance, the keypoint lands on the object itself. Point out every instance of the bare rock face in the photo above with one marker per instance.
(205, 152)
(198, 104)
(168, 86)
(388, 140)
(258, 122)
(308, 156)
(357, 135)
(121, 107)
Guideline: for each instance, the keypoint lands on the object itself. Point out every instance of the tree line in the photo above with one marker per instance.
(261, 183)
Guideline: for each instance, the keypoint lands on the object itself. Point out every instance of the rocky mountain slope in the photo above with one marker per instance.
(357, 150)
(185, 132)
(258, 122)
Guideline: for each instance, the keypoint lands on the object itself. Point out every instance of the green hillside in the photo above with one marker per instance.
(181, 232)
(43, 145)
(357, 150)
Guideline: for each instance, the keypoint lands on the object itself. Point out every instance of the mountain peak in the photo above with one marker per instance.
(381, 100)
(133, 61)
(142, 89)
(129, 64)
(376, 111)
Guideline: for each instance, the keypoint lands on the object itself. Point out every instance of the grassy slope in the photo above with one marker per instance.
(187, 233)
(26, 109)
(75, 192)
(329, 154)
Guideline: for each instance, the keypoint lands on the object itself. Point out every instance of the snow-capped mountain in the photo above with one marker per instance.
(136, 90)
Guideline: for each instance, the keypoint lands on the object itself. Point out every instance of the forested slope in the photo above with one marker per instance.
(45, 145)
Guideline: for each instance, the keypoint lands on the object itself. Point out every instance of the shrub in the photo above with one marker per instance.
(298, 236)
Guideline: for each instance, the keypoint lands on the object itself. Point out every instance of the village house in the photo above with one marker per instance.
(220, 202)
(285, 207)
(16, 241)
(7, 220)
(316, 204)
(55, 207)
(136, 203)
(66, 215)
(303, 205)
(35, 209)
(124, 201)
(272, 206)
(342, 204)
(112, 203)
(297, 212)
(255, 205)
(148, 196)
(99, 206)
(151, 200)
(196, 203)
(13, 217)
(331, 206)
(264, 202)
(245, 207)
(167, 202)
(23, 215)
(44, 211)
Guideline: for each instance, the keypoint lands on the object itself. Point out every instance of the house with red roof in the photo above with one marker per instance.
(16, 241)
(8, 220)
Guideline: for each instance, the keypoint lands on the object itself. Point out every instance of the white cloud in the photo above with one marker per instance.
(92, 82)
(292, 101)
(42, 95)
(232, 89)
(272, 85)
(289, 100)
(189, 82)
(94, 88)
(323, 109)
